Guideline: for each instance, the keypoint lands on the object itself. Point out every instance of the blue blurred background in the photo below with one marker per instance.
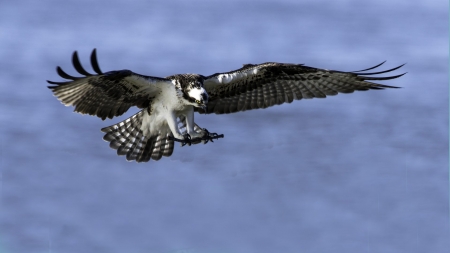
(366, 172)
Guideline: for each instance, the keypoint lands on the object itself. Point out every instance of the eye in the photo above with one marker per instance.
(198, 101)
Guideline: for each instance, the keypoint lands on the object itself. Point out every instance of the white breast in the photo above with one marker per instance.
(162, 106)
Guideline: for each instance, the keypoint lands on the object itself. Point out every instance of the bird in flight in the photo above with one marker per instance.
(168, 104)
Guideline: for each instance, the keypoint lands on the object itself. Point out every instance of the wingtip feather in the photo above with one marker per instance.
(94, 62)
(77, 64)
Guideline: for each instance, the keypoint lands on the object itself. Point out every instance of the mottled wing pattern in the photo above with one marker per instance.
(128, 139)
(106, 94)
(268, 84)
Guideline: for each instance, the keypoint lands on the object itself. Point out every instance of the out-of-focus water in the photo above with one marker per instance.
(366, 172)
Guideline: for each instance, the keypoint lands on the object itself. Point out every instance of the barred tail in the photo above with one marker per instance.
(128, 138)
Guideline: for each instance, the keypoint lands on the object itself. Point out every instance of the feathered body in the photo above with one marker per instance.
(168, 104)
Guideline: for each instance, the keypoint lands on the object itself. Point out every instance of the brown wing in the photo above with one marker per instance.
(106, 94)
(268, 84)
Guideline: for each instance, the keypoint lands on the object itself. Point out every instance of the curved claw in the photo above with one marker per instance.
(205, 138)
(186, 140)
(210, 136)
(206, 135)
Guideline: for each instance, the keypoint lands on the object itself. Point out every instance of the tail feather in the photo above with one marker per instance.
(128, 139)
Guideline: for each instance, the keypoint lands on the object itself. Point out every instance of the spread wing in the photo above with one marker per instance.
(268, 84)
(105, 94)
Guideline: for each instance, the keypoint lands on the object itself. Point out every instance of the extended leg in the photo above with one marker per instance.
(207, 136)
(194, 133)
(177, 136)
(201, 136)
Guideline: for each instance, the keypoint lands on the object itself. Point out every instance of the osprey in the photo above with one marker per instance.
(168, 104)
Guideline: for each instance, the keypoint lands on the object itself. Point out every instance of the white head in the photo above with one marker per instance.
(191, 89)
(198, 96)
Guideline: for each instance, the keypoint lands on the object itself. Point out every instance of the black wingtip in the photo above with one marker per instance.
(382, 87)
(64, 75)
(94, 62)
(374, 67)
(379, 72)
(383, 78)
(78, 67)
(77, 64)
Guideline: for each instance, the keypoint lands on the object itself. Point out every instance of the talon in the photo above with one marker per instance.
(210, 136)
(186, 140)
(206, 136)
